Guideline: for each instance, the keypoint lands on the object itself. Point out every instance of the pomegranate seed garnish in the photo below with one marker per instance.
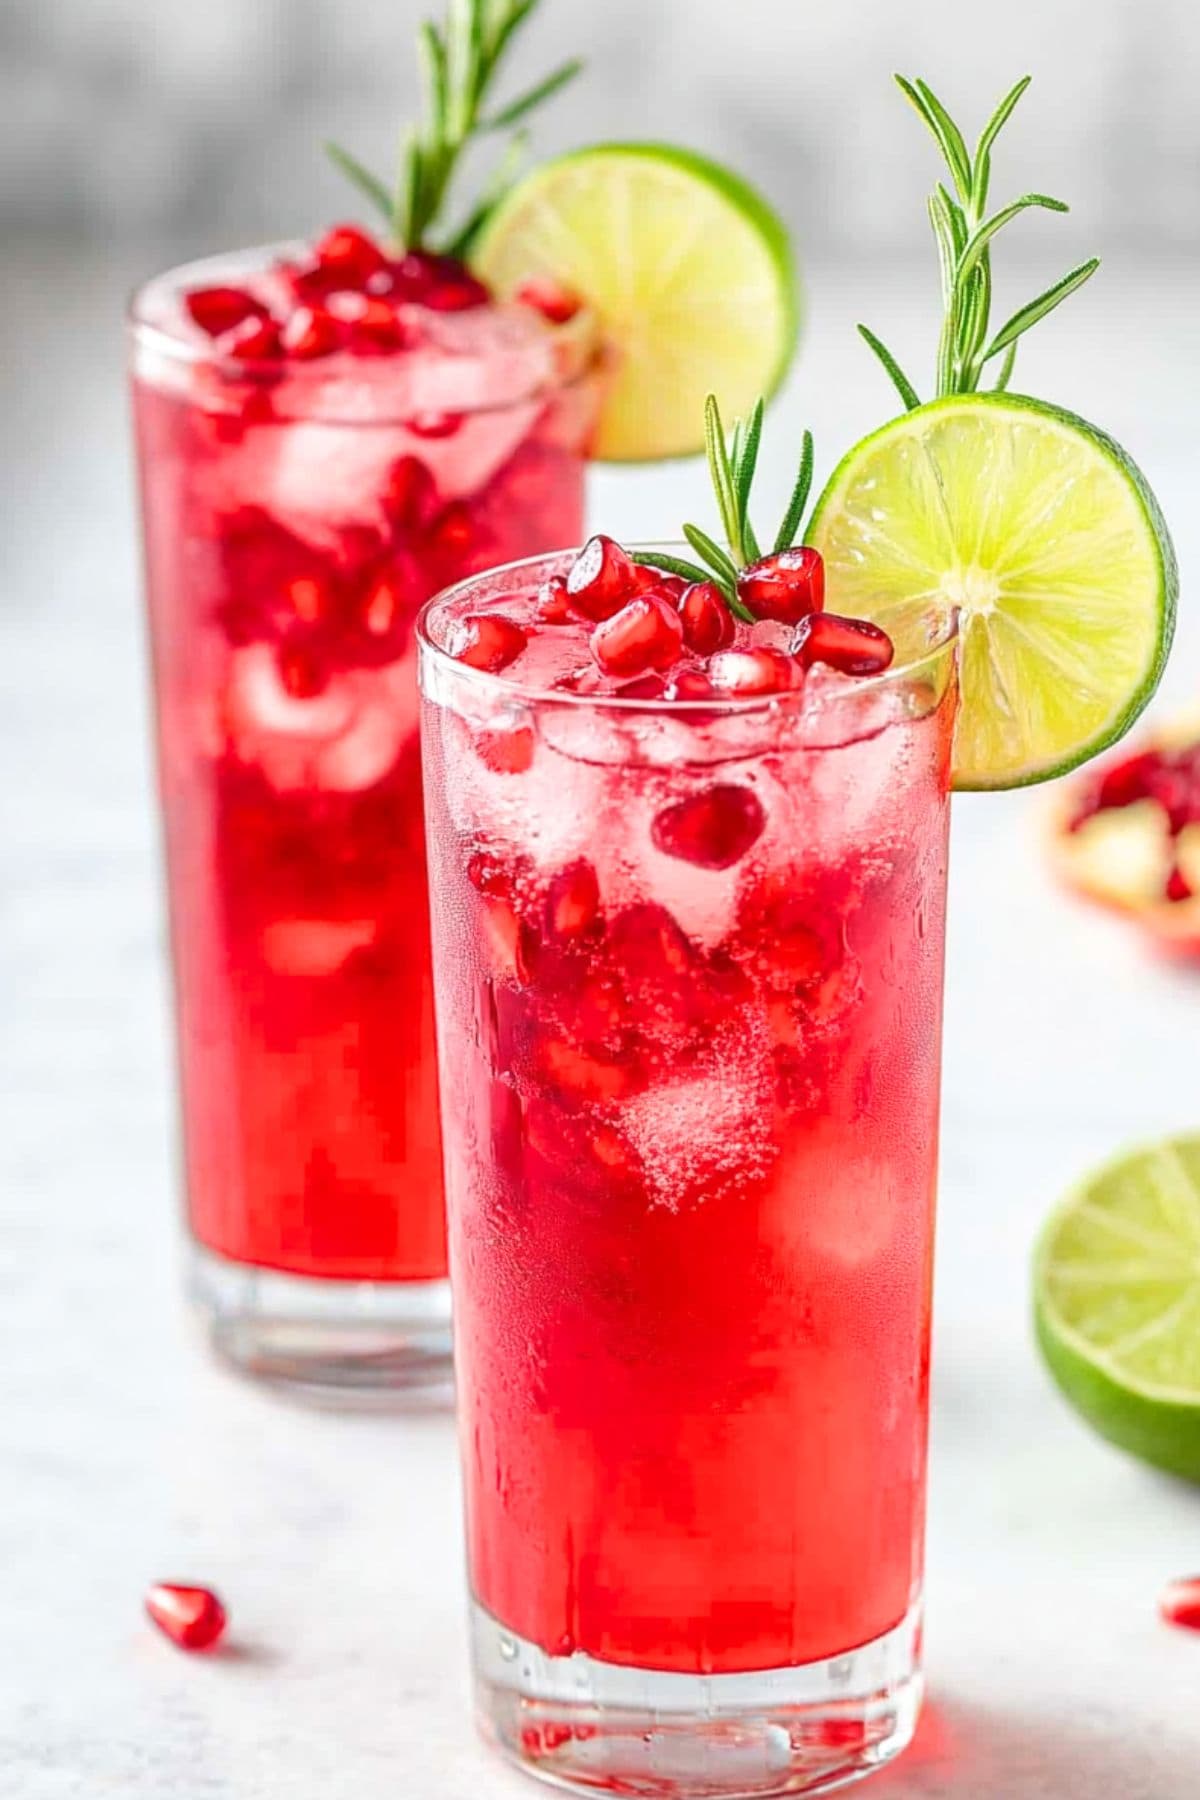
(381, 607)
(853, 646)
(350, 254)
(601, 579)
(691, 684)
(787, 586)
(218, 309)
(409, 494)
(192, 1617)
(554, 302)
(707, 622)
(572, 901)
(647, 580)
(506, 752)
(486, 641)
(489, 875)
(435, 424)
(413, 275)
(645, 634)
(254, 340)
(302, 674)
(747, 673)
(553, 605)
(1178, 885)
(455, 532)
(309, 598)
(310, 332)
(1179, 1603)
(645, 687)
(455, 293)
(713, 829)
(372, 325)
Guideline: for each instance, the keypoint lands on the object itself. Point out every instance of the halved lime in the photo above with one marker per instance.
(687, 268)
(1117, 1302)
(1045, 535)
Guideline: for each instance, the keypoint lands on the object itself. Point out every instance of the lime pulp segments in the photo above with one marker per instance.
(687, 269)
(1117, 1302)
(1046, 537)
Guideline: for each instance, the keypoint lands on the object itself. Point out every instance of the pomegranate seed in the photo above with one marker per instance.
(554, 302)
(580, 1075)
(350, 254)
(310, 332)
(852, 646)
(435, 424)
(1179, 1603)
(573, 901)
(301, 672)
(1130, 780)
(553, 606)
(645, 580)
(713, 829)
(506, 938)
(409, 495)
(381, 607)
(645, 687)
(707, 621)
(491, 876)
(601, 579)
(1178, 885)
(455, 532)
(413, 275)
(217, 310)
(192, 1617)
(747, 673)
(372, 324)
(455, 293)
(506, 752)
(486, 641)
(646, 634)
(786, 586)
(309, 598)
(254, 340)
(691, 684)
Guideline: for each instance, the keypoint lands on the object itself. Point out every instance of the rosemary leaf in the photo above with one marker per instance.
(744, 467)
(943, 231)
(407, 223)
(958, 220)
(433, 64)
(719, 470)
(511, 21)
(368, 184)
(1037, 309)
(499, 184)
(517, 109)
(983, 234)
(945, 132)
(987, 137)
(794, 516)
(716, 558)
(903, 386)
(673, 565)
(1006, 368)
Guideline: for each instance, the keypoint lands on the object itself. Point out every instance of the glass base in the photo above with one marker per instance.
(370, 1343)
(590, 1726)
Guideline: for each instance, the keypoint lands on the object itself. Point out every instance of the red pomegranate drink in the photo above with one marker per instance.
(689, 875)
(300, 503)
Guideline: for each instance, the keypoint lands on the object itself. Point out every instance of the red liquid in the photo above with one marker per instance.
(690, 993)
(293, 529)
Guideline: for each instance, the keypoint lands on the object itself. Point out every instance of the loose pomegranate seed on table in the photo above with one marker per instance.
(487, 641)
(646, 634)
(217, 310)
(786, 586)
(713, 829)
(852, 646)
(1179, 1602)
(601, 579)
(707, 621)
(192, 1617)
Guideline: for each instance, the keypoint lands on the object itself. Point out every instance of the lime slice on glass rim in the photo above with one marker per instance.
(687, 269)
(1117, 1302)
(1047, 538)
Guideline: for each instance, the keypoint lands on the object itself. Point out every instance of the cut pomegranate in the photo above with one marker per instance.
(573, 901)
(553, 605)
(254, 340)
(601, 579)
(310, 332)
(713, 829)
(409, 495)
(1179, 1603)
(486, 641)
(217, 310)
(787, 586)
(348, 253)
(192, 1617)
(554, 302)
(852, 646)
(747, 673)
(646, 634)
(707, 621)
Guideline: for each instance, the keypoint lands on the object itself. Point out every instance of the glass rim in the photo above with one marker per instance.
(945, 642)
(188, 352)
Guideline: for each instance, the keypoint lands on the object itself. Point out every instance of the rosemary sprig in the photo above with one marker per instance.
(732, 462)
(459, 62)
(963, 231)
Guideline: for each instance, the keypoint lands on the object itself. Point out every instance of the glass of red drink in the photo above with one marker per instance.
(324, 441)
(688, 958)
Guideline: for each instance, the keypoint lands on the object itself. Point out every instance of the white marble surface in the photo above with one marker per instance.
(125, 1455)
